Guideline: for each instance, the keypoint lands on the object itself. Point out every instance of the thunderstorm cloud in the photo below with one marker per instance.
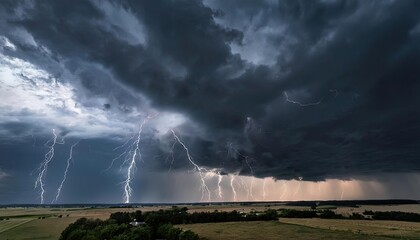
(308, 90)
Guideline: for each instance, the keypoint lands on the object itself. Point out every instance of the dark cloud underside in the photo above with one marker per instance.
(227, 66)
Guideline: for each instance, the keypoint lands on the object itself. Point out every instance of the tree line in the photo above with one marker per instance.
(90, 229)
(367, 215)
(157, 224)
(394, 215)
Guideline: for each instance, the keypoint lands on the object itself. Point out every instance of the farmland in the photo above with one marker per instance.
(269, 231)
(47, 223)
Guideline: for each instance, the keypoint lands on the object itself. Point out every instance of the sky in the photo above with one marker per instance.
(189, 101)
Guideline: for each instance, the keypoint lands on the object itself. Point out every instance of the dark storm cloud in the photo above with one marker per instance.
(358, 59)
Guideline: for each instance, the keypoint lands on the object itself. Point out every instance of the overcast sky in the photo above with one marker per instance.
(274, 100)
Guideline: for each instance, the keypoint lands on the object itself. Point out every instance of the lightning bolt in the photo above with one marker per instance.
(232, 178)
(43, 168)
(199, 169)
(298, 188)
(284, 190)
(65, 172)
(114, 159)
(252, 178)
(125, 143)
(245, 186)
(319, 187)
(126, 153)
(132, 156)
(343, 185)
(264, 183)
(234, 152)
(171, 162)
(299, 103)
(219, 187)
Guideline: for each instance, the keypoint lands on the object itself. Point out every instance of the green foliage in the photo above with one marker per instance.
(330, 215)
(357, 216)
(142, 232)
(180, 216)
(117, 227)
(89, 236)
(138, 215)
(368, 212)
(158, 224)
(121, 217)
(81, 225)
(270, 214)
(76, 234)
(188, 235)
(135, 233)
(398, 216)
(110, 230)
(292, 213)
(167, 231)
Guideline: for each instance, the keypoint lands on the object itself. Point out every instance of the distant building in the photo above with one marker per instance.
(134, 223)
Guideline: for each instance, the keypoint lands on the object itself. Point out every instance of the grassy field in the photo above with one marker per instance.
(12, 223)
(49, 228)
(395, 229)
(414, 208)
(24, 223)
(270, 231)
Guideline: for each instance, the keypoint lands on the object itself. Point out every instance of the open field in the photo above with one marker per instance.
(397, 229)
(49, 228)
(12, 223)
(414, 208)
(269, 231)
(25, 223)
(101, 213)
(241, 208)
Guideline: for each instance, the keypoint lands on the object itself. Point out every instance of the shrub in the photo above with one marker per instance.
(291, 213)
(188, 235)
(330, 215)
(356, 216)
(398, 216)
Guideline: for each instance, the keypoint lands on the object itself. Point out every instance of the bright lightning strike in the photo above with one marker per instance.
(298, 187)
(264, 183)
(252, 178)
(232, 151)
(245, 187)
(132, 164)
(232, 178)
(284, 191)
(200, 170)
(125, 152)
(171, 162)
(219, 187)
(43, 168)
(343, 186)
(65, 172)
(299, 103)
